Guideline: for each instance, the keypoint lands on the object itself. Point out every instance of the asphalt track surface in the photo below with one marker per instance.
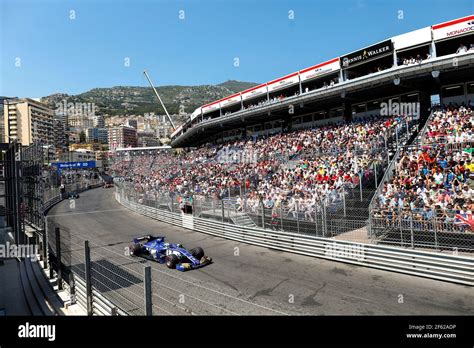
(243, 279)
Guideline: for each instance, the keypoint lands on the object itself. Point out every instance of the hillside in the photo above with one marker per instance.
(129, 100)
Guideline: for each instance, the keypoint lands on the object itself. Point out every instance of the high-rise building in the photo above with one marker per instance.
(98, 121)
(97, 135)
(132, 123)
(2, 120)
(28, 121)
(80, 121)
(122, 136)
(103, 135)
(60, 135)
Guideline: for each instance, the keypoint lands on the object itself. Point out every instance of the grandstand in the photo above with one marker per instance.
(380, 137)
(407, 68)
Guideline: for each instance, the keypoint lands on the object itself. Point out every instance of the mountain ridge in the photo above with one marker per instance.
(136, 100)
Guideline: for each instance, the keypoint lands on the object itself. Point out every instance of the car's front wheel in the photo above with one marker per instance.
(197, 252)
(171, 261)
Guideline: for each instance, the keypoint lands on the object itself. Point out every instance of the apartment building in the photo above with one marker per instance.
(122, 136)
(28, 121)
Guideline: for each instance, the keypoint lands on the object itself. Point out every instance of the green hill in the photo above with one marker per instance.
(128, 100)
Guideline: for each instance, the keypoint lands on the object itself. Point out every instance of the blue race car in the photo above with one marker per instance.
(174, 255)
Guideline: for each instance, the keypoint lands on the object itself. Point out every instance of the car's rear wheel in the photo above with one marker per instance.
(197, 252)
(171, 261)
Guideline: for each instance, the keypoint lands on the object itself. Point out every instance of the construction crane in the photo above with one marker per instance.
(158, 96)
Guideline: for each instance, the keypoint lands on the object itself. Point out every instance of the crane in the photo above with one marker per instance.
(158, 96)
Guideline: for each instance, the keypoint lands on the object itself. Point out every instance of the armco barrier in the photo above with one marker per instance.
(447, 267)
(100, 304)
(58, 198)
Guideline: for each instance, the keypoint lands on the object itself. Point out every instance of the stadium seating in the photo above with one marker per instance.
(325, 159)
(434, 181)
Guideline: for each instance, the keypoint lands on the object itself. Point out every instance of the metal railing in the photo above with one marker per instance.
(340, 215)
(443, 266)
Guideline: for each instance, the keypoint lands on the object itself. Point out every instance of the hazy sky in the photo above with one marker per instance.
(73, 46)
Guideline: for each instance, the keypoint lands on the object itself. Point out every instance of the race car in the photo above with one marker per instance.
(174, 255)
(73, 195)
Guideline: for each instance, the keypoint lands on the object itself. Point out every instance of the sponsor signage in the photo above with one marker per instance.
(454, 28)
(254, 92)
(74, 165)
(233, 99)
(210, 107)
(413, 38)
(320, 69)
(283, 82)
(376, 51)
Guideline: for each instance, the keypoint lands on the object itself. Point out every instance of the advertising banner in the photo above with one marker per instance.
(376, 51)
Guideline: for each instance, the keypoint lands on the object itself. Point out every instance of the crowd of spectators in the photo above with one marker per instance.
(435, 180)
(324, 160)
(452, 125)
(418, 59)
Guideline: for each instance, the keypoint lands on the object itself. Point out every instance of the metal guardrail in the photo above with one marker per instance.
(100, 305)
(452, 268)
(57, 197)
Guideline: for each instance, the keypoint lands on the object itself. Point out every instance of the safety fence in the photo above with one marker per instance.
(436, 265)
(106, 280)
(414, 230)
(54, 195)
(441, 220)
(339, 216)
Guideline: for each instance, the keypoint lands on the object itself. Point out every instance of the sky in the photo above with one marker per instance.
(72, 46)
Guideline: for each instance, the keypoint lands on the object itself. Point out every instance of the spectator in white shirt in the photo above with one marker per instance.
(461, 49)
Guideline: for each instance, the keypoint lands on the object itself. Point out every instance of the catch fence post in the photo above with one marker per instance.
(281, 216)
(58, 257)
(401, 230)
(297, 216)
(147, 289)
(45, 248)
(87, 271)
(223, 211)
(375, 173)
(344, 201)
(316, 219)
(325, 222)
(72, 289)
